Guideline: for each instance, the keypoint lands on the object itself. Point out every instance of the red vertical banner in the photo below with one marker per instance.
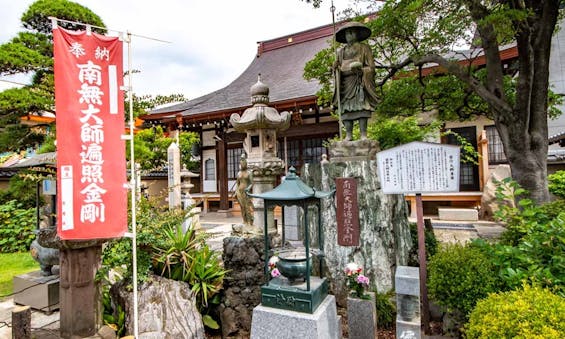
(91, 165)
(347, 212)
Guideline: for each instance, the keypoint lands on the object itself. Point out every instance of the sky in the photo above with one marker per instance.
(211, 41)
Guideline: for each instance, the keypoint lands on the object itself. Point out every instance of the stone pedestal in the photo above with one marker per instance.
(79, 260)
(38, 291)
(362, 317)
(270, 323)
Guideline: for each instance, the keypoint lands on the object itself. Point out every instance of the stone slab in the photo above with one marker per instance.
(271, 323)
(458, 214)
(37, 291)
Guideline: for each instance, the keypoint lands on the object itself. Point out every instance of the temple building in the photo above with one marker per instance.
(280, 63)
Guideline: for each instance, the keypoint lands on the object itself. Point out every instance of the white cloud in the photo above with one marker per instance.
(212, 41)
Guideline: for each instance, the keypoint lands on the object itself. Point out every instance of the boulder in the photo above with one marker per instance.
(383, 220)
(489, 203)
(167, 309)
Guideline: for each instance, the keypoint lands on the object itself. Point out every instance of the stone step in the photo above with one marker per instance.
(458, 214)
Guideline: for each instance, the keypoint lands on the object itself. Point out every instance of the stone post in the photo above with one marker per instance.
(21, 322)
(173, 159)
(408, 322)
(362, 317)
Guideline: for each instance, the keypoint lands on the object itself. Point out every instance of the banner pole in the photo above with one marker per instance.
(133, 192)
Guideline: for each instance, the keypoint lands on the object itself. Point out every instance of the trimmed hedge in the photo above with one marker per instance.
(459, 276)
(529, 312)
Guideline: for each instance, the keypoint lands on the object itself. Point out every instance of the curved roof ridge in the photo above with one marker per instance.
(295, 38)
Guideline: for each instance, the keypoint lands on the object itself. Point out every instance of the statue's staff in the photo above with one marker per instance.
(336, 74)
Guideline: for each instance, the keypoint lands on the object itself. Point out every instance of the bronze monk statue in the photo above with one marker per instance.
(355, 93)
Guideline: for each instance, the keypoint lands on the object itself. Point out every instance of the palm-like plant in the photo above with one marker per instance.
(176, 259)
(185, 256)
(207, 274)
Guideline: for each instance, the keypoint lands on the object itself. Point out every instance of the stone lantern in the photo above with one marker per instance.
(261, 123)
(188, 204)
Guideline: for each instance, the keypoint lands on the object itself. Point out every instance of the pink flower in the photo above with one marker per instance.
(275, 273)
(363, 280)
(356, 281)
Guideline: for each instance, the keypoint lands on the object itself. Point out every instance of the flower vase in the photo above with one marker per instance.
(362, 317)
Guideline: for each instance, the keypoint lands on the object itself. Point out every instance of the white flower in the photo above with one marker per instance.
(273, 260)
(352, 268)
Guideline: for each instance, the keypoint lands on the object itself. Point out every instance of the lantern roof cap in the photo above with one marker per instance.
(292, 189)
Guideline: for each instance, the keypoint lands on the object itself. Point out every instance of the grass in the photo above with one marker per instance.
(12, 264)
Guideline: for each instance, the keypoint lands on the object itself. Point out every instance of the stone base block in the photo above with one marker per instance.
(408, 330)
(270, 323)
(362, 317)
(37, 291)
(458, 214)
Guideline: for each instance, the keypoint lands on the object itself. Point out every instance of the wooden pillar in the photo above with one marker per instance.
(80, 313)
(483, 159)
(222, 161)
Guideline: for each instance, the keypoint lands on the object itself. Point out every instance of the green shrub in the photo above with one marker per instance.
(175, 258)
(556, 183)
(537, 257)
(17, 225)
(458, 276)
(23, 189)
(152, 219)
(553, 209)
(430, 241)
(386, 309)
(527, 215)
(530, 312)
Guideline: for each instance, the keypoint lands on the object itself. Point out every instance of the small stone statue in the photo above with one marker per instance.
(355, 93)
(243, 184)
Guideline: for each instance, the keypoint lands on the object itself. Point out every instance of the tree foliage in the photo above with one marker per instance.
(150, 147)
(463, 39)
(144, 103)
(31, 52)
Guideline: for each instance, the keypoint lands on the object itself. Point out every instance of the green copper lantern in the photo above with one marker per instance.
(296, 289)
